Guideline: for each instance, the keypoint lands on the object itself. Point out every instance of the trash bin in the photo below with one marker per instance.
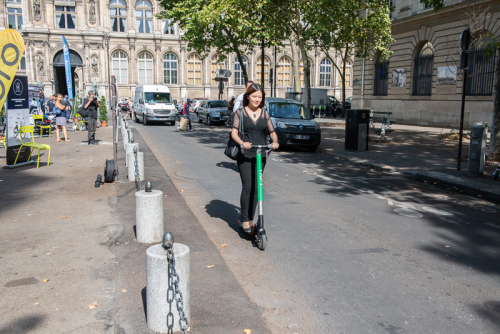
(477, 148)
(356, 130)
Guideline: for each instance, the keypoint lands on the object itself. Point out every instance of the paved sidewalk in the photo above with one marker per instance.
(417, 152)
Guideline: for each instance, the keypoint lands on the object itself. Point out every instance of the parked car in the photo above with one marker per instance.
(195, 103)
(347, 105)
(122, 106)
(332, 105)
(293, 123)
(212, 111)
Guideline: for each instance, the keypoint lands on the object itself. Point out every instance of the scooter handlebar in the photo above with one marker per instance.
(263, 146)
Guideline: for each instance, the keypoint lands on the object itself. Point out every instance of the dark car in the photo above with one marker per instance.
(212, 111)
(347, 105)
(293, 123)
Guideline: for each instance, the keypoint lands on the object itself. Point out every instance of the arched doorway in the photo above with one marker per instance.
(59, 73)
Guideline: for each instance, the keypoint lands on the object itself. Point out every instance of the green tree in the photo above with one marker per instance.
(103, 113)
(473, 17)
(352, 28)
(225, 25)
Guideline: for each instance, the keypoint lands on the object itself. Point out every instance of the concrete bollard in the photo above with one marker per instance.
(157, 286)
(149, 216)
(129, 148)
(131, 166)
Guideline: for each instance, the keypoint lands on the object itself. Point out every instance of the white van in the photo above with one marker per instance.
(153, 103)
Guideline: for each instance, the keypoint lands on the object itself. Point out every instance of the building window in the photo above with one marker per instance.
(348, 71)
(301, 71)
(194, 70)
(423, 68)
(22, 63)
(217, 64)
(481, 68)
(118, 15)
(325, 73)
(380, 83)
(170, 69)
(15, 18)
(145, 65)
(144, 16)
(239, 79)
(284, 72)
(65, 17)
(258, 78)
(120, 67)
(168, 27)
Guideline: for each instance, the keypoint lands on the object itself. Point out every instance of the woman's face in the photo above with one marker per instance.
(58, 98)
(255, 99)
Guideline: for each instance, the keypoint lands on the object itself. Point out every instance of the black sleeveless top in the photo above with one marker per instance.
(255, 131)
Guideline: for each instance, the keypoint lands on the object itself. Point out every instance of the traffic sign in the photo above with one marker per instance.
(223, 73)
(221, 79)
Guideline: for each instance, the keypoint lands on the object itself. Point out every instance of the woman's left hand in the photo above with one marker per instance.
(275, 146)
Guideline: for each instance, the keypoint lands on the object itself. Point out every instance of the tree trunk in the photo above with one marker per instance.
(494, 151)
(295, 64)
(307, 72)
(342, 113)
(243, 68)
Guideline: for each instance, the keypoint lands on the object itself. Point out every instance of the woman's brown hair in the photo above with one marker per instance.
(252, 89)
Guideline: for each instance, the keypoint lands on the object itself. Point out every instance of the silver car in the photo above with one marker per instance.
(212, 111)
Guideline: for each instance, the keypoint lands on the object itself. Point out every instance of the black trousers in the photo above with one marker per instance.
(248, 174)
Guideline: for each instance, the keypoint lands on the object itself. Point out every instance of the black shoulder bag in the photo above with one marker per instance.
(233, 150)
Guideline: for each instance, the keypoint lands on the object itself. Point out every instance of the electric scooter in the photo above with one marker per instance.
(259, 232)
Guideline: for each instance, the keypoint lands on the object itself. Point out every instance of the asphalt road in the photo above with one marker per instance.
(350, 249)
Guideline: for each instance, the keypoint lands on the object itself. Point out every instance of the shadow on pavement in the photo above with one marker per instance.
(229, 165)
(489, 311)
(228, 213)
(22, 325)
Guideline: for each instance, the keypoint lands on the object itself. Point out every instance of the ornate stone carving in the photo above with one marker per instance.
(40, 64)
(95, 67)
(92, 11)
(36, 10)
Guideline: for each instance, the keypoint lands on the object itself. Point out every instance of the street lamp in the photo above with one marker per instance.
(106, 38)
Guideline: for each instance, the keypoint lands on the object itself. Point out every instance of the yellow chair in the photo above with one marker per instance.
(80, 121)
(30, 129)
(42, 127)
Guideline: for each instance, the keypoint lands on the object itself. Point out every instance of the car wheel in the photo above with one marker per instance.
(209, 120)
(136, 120)
(144, 120)
(198, 118)
(312, 148)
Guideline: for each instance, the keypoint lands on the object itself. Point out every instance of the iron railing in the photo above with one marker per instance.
(422, 74)
(481, 71)
(380, 82)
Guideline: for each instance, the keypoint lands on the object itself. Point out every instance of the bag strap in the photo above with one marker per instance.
(241, 121)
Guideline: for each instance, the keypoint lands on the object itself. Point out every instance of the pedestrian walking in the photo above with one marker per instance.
(130, 112)
(67, 103)
(185, 112)
(230, 107)
(60, 110)
(239, 99)
(91, 104)
(257, 126)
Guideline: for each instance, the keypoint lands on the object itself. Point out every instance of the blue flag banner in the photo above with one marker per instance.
(67, 68)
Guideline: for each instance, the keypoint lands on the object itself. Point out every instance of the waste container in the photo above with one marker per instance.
(477, 148)
(356, 130)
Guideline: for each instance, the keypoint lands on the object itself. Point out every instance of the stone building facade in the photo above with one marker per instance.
(420, 82)
(125, 37)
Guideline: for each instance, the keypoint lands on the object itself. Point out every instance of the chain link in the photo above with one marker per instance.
(174, 292)
(137, 178)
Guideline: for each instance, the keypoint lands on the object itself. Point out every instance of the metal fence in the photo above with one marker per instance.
(481, 71)
(380, 82)
(422, 75)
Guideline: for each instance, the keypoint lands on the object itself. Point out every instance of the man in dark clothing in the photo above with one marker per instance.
(91, 104)
(50, 105)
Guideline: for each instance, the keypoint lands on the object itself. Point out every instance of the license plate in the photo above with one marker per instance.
(160, 119)
(301, 137)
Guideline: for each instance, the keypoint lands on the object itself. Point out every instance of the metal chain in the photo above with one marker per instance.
(137, 178)
(174, 292)
(128, 133)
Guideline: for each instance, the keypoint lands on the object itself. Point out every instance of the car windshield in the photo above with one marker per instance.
(217, 104)
(288, 110)
(157, 97)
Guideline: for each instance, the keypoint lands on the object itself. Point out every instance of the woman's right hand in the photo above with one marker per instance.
(247, 145)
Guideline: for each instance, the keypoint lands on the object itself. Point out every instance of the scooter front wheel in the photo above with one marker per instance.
(261, 241)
